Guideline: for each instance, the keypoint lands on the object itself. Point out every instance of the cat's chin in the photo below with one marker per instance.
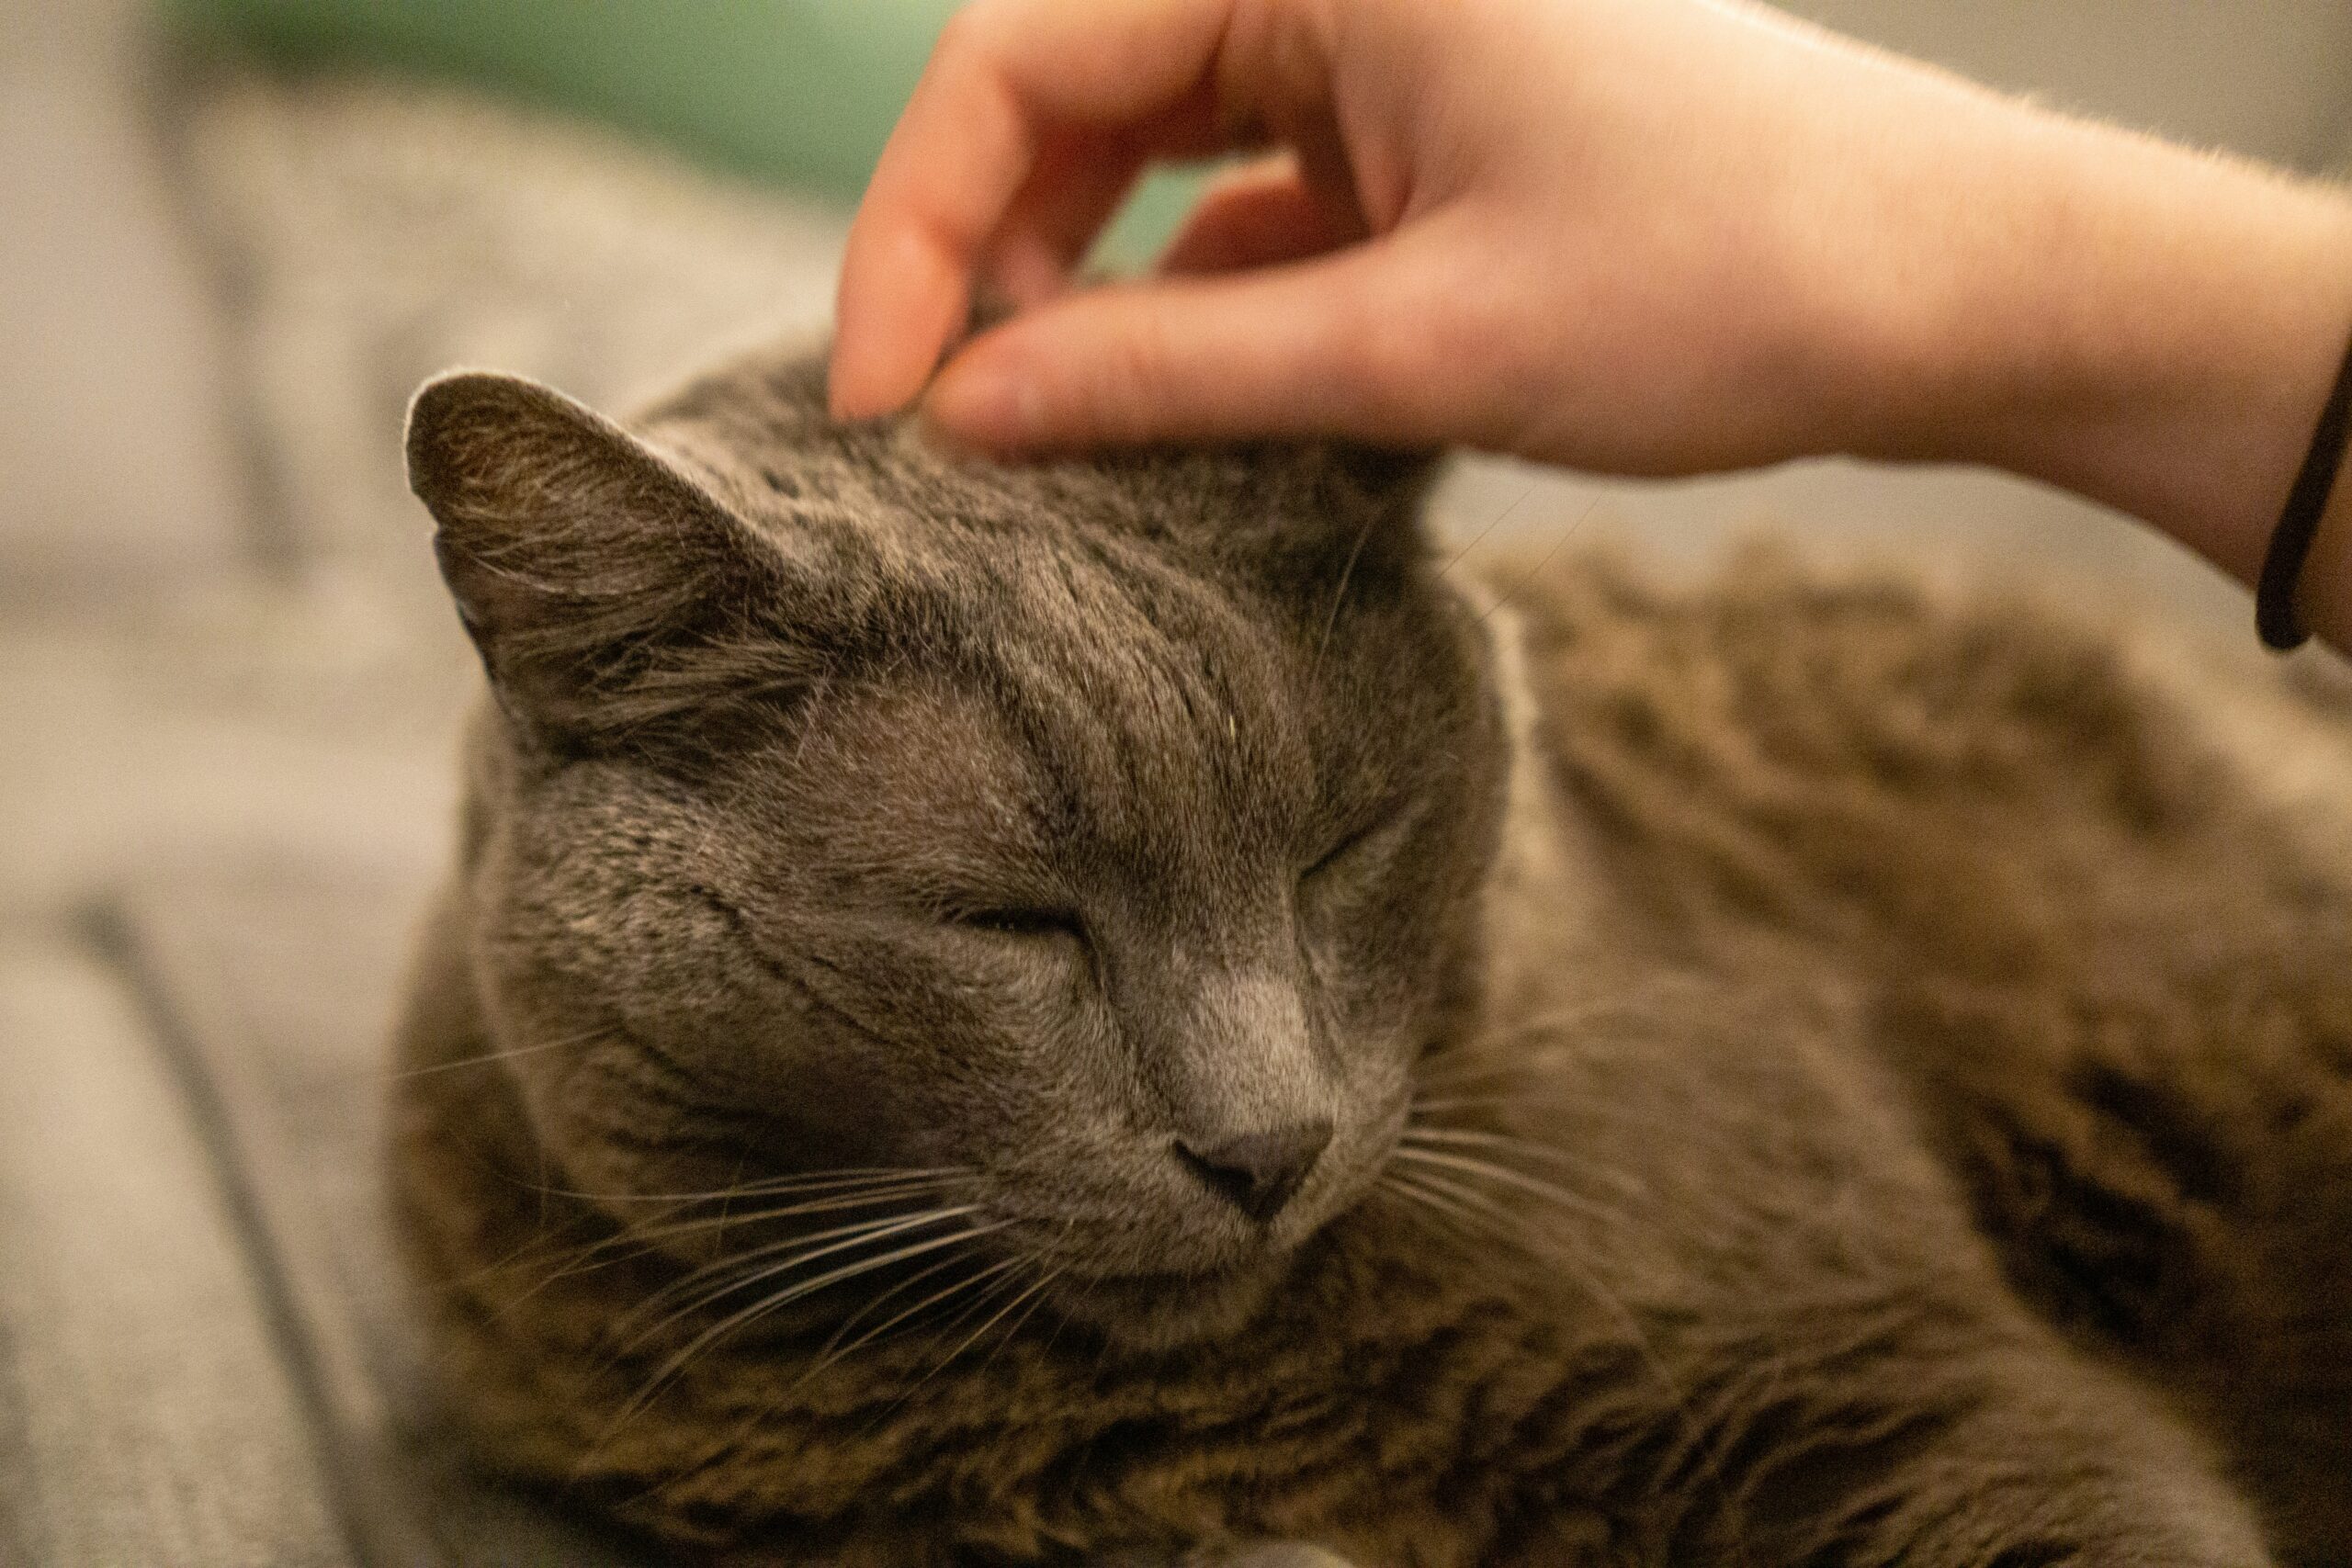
(1165, 1311)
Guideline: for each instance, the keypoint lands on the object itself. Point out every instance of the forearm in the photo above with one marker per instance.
(2153, 328)
(1633, 236)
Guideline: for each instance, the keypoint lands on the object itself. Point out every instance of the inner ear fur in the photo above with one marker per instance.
(605, 588)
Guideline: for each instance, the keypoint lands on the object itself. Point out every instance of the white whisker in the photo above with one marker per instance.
(1038, 1299)
(994, 1318)
(1456, 558)
(1438, 1190)
(838, 1238)
(636, 1241)
(1530, 575)
(812, 1182)
(835, 1352)
(740, 1318)
(586, 1037)
(1575, 1202)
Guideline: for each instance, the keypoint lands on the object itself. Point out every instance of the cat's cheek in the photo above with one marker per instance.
(1020, 989)
(615, 1127)
(1357, 964)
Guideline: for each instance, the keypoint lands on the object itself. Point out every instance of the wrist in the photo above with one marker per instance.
(2153, 328)
(2325, 599)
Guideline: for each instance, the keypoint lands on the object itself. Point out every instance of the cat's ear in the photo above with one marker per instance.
(596, 577)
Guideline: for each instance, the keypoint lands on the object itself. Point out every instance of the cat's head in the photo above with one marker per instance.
(1104, 835)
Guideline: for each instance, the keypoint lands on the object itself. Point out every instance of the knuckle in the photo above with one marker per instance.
(1387, 352)
(1133, 376)
(988, 32)
(965, 32)
(1139, 384)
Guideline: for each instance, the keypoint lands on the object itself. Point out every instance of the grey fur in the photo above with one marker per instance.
(845, 806)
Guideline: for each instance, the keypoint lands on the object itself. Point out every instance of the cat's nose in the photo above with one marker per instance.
(1259, 1172)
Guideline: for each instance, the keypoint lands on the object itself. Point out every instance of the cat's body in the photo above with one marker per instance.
(1818, 1078)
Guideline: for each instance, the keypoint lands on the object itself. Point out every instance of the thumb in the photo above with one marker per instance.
(1315, 347)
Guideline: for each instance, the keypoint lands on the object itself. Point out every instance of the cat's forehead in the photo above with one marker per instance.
(758, 431)
(1189, 788)
(1155, 626)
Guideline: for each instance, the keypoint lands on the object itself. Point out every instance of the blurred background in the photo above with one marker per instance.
(235, 236)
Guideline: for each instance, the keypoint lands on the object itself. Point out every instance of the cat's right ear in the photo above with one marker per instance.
(596, 577)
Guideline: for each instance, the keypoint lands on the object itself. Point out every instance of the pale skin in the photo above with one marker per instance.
(1654, 237)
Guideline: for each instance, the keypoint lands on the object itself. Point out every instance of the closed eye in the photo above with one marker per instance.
(1031, 933)
(1353, 864)
(1015, 921)
(1341, 853)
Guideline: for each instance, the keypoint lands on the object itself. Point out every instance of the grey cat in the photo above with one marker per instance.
(1123, 1008)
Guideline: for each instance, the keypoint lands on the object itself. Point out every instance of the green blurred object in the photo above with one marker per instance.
(803, 92)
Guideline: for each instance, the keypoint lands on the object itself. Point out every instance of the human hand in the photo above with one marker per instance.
(1636, 236)
(1645, 236)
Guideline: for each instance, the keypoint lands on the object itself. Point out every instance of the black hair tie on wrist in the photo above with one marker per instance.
(2291, 542)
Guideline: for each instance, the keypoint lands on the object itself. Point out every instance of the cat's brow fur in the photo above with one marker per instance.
(1902, 1077)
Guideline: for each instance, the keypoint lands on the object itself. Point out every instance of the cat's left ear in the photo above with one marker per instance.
(602, 584)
